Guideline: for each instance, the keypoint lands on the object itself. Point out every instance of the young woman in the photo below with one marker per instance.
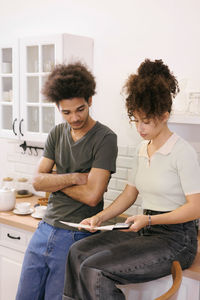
(166, 173)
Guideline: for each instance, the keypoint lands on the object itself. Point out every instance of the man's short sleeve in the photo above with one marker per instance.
(106, 153)
(49, 148)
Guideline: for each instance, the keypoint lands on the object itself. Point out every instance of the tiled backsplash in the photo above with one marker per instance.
(119, 179)
(18, 165)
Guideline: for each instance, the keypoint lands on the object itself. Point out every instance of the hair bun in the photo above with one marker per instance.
(153, 68)
(156, 69)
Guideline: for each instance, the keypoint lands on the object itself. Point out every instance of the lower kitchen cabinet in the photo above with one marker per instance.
(13, 243)
(189, 289)
(10, 268)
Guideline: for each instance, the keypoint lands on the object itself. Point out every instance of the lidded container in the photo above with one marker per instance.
(22, 186)
(8, 183)
(7, 195)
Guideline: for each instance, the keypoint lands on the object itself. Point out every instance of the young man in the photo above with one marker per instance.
(84, 152)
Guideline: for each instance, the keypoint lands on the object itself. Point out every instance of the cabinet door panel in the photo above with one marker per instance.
(9, 90)
(48, 57)
(32, 59)
(33, 119)
(7, 116)
(39, 55)
(10, 268)
(189, 289)
(24, 67)
(48, 118)
(32, 94)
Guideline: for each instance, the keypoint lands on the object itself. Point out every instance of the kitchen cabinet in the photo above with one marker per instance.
(13, 242)
(9, 89)
(189, 289)
(25, 65)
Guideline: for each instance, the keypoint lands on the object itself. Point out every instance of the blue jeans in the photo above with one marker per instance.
(43, 269)
(95, 265)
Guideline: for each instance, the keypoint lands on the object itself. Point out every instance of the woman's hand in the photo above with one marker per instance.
(93, 221)
(139, 221)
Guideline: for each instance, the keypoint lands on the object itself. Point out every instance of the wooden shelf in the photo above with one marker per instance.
(185, 118)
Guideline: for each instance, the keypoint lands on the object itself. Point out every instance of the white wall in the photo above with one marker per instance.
(124, 32)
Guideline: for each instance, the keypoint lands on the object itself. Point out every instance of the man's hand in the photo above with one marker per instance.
(80, 178)
(93, 221)
(45, 181)
(92, 192)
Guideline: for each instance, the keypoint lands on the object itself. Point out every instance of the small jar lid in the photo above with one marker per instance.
(22, 179)
(8, 179)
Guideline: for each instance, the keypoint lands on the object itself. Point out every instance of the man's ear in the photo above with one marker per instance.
(57, 105)
(90, 101)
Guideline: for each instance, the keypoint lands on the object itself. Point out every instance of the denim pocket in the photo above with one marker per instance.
(78, 235)
(40, 224)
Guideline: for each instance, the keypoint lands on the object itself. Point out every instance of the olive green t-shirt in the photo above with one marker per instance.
(96, 149)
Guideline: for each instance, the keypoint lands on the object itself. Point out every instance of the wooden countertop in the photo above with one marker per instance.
(19, 221)
(29, 223)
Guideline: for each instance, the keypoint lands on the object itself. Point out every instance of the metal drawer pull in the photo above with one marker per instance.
(13, 237)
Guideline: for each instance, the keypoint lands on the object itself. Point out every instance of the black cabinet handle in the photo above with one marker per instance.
(13, 126)
(13, 237)
(20, 127)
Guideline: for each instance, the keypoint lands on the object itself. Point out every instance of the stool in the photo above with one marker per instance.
(153, 290)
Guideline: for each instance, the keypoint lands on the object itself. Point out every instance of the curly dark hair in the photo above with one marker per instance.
(69, 81)
(151, 90)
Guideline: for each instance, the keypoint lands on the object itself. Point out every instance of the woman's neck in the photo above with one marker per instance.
(159, 141)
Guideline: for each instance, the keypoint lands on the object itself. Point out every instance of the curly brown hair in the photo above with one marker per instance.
(151, 90)
(69, 81)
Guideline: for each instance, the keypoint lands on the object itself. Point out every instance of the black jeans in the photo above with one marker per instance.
(97, 263)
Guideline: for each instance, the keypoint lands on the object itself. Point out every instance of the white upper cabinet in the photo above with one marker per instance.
(9, 90)
(25, 113)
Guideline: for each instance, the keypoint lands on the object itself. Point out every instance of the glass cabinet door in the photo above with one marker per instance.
(38, 115)
(38, 55)
(24, 67)
(8, 92)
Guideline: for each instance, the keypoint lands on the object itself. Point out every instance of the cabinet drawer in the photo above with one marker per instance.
(14, 237)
